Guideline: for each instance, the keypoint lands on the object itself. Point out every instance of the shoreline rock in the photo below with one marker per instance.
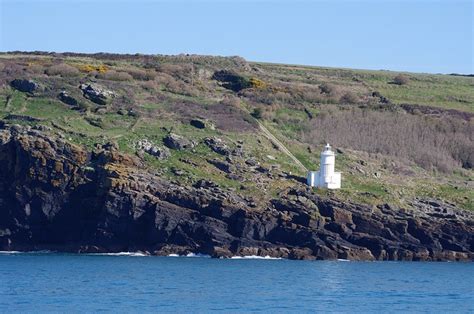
(58, 196)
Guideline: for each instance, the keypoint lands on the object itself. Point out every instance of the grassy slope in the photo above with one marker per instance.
(373, 182)
(443, 91)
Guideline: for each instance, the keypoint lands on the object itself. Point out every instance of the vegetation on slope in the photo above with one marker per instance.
(398, 137)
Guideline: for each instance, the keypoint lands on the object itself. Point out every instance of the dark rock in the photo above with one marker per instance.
(22, 118)
(177, 142)
(198, 123)
(262, 169)
(202, 124)
(232, 80)
(62, 197)
(221, 165)
(205, 184)
(69, 100)
(23, 85)
(251, 162)
(218, 146)
(97, 93)
(178, 172)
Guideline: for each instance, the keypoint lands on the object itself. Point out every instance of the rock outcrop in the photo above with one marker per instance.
(97, 93)
(27, 86)
(152, 149)
(58, 196)
(218, 146)
(175, 141)
(202, 124)
(67, 99)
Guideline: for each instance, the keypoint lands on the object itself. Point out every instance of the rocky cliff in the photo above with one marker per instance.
(58, 196)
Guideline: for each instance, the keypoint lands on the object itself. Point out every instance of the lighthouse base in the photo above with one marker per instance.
(328, 182)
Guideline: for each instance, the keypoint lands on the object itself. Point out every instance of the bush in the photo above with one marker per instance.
(88, 68)
(151, 86)
(174, 86)
(62, 69)
(176, 70)
(257, 83)
(441, 143)
(349, 98)
(401, 79)
(330, 89)
(257, 113)
(142, 75)
(115, 76)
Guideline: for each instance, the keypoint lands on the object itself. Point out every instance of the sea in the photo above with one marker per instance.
(131, 282)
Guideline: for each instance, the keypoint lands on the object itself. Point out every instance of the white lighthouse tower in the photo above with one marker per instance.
(326, 177)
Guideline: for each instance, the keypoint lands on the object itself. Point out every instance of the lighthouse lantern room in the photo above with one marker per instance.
(326, 177)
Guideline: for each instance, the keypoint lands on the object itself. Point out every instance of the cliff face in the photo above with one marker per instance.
(58, 196)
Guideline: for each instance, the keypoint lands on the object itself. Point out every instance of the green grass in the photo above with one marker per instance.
(433, 90)
(157, 117)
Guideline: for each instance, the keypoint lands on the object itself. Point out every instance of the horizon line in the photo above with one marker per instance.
(43, 52)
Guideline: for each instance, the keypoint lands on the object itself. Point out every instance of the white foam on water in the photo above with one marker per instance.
(254, 257)
(198, 255)
(343, 260)
(27, 252)
(190, 255)
(119, 254)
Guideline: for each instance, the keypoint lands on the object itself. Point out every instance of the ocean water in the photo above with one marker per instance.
(45, 282)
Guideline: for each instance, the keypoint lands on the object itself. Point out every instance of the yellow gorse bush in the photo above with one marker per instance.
(93, 68)
(257, 83)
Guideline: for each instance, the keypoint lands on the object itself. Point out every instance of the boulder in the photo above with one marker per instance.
(67, 99)
(23, 85)
(252, 162)
(231, 80)
(152, 149)
(202, 183)
(218, 146)
(178, 142)
(97, 93)
(202, 124)
(221, 165)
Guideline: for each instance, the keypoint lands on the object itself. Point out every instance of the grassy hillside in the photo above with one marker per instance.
(399, 135)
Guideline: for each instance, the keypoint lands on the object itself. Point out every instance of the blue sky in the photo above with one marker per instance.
(417, 35)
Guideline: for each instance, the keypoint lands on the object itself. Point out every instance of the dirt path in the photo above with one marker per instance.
(277, 142)
(280, 145)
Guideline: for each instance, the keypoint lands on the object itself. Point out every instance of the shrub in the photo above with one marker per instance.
(330, 89)
(257, 83)
(401, 79)
(150, 85)
(35, 69)
(142, 75)
(230, 100)
(174, 86)
(433, 143)
(176, 70)
(257, 113)
(62, 69)
(115, 76)
(88, 68)
(349, 98)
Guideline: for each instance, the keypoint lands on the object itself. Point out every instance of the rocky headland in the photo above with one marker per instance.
(58, 196)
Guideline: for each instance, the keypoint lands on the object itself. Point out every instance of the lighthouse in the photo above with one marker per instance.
(326, 177)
